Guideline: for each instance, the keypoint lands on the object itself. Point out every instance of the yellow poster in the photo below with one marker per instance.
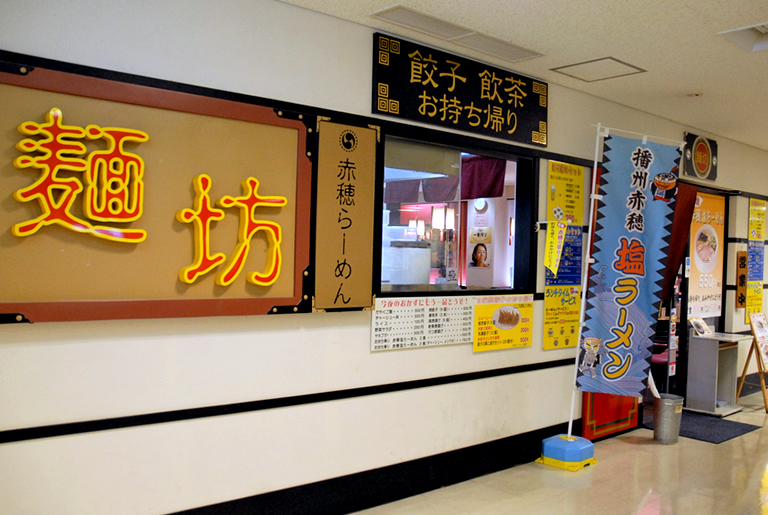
(707, 243)
(757, 219)
(503, 322)
(565, 201)
(755, 256)
(554, 245)
(561, 316)
(754, 297)
(562, 290)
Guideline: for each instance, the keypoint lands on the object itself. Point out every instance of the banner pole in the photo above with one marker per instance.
(586, 265)
(566, 451)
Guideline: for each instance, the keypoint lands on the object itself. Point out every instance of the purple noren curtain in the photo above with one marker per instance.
(482, 177)
(440, 189)
(402, 192)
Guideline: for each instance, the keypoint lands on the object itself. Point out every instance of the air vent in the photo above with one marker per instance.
(751, 39)
(495, 47)
(427, 24)
(422, 22)
(598, 69)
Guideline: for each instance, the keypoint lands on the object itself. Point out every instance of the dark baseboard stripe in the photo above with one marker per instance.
(73, 428)
(384, 485)
(741, 240)
(732, 287)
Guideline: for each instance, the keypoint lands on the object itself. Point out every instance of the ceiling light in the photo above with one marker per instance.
(751, 39)
(598, 69)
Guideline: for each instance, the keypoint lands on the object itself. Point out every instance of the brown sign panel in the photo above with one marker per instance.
(741, 279)
(128, 201)
(346, 185)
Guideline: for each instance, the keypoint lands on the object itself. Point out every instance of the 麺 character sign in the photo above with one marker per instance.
(114, 178)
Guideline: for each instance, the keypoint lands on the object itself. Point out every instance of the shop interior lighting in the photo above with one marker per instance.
(438, 218)
(450, 216)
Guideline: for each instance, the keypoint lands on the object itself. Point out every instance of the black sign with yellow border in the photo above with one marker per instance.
(423, 84)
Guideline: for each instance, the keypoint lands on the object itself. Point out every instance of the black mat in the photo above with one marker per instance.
(751, 385)
(709, 429)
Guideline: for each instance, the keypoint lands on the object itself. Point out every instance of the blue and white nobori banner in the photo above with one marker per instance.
(631, 241)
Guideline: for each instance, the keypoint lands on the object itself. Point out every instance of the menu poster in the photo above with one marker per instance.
(700, 326)
(553, 248)
(561, 316)
(705, 287)
(402, 323)
(503, 322)
(562, 287)
(755, 256)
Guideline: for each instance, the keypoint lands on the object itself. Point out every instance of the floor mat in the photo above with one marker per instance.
(710, 429)
(751, 385)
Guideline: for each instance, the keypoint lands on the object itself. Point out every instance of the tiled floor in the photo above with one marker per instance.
(634, 475)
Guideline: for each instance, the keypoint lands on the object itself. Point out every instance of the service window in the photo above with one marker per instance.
(450, 219)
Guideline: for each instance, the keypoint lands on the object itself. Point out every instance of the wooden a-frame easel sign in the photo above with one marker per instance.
(760, 349)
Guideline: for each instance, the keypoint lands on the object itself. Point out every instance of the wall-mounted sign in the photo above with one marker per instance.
(503, 322)
(128, 201)
(423, 84)
(741, 278)
(755, 256)
(481, 235)
(700, 157)
(404, 323)
(489, 323)
(707, 244)
(562, 290)
(553, 247)
(346, 183)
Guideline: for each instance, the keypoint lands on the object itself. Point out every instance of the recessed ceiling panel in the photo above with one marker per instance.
(599, 69)
(751, 39)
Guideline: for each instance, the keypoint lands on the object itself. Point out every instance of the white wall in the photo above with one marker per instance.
(64, 372)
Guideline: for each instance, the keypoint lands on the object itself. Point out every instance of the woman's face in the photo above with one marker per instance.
(481, 254)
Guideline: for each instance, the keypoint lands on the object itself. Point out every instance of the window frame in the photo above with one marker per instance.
(526, 205)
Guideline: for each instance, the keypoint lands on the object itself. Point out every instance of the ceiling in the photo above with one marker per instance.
(692, 75)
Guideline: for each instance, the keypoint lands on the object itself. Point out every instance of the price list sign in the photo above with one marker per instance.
(403, 323)
(503, 322)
